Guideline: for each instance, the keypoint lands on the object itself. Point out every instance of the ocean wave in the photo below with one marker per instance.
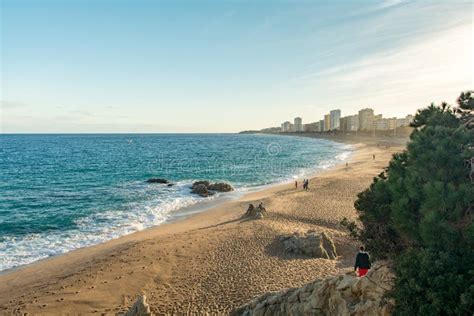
(103, 210)
(96, 228)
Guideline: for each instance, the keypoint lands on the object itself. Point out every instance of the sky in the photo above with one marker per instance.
(71, 66)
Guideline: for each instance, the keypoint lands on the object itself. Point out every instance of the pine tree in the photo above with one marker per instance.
(419, 212)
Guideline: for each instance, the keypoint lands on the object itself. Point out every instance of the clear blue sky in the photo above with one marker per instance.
(224, 66)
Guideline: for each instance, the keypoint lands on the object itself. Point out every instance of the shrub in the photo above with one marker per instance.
(419, 213)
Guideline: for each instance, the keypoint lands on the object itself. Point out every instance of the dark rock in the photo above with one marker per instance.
(201, 189)
(157, 180)
(220, 187)
(205, 188)
(206, 183)
(170, 184)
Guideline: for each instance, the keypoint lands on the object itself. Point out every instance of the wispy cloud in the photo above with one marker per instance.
(401, 79)
(390, 3)
(11, 104)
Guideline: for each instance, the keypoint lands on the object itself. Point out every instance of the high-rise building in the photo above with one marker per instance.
(311, 127)
(286, 127)
(343, 124)
(298, 124)
(327, 122)
(385, 124)
(350, 123)
(316, 127)
(321, 125)
(392, 123)
(366, 119)
(354, 123)
(405, 121)
(335, 119)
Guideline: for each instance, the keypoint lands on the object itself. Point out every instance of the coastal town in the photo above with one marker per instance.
(365, 121)
(237, 158)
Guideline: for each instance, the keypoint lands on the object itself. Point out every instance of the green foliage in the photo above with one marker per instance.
(419, 213)
(431, 282)
(466, 100)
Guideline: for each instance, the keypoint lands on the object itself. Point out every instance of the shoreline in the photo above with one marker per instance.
(164, 238)
(202, 206)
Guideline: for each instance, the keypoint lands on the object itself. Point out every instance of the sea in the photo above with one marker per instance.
(61, 192)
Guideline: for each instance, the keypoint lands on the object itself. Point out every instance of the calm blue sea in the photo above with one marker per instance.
(62, 192)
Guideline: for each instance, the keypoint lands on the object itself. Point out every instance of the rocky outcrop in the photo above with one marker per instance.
(346, 295)
(157, 180)
(202, 190)
(220, 187)
(205, 188)
(206, 183)
(139, 308)
(311, 243)
(255, 212)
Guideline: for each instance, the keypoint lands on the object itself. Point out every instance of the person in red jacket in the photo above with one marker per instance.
(362, 262)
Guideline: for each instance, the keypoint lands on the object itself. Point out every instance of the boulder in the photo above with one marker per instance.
(255, 212)
(346, 295)
(139, 308)
(157, 180)
(202, 190)
(206, 183)
(311, 243)
(220, 187)
(198, 188)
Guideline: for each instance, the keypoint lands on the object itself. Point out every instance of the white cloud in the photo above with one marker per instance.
(402, 80)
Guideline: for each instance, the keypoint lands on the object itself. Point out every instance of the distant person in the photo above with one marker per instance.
(306, 184)
(296, 184)
(362, 262)
(373, 156)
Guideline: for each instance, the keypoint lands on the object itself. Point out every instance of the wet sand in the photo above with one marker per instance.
(210, 262)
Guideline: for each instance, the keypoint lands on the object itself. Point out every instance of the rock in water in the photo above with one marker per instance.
(205, 188)
(220, 187)
(139, 308)
(157, 180)
(206, 183)
(311, 244)
(345, 295)
(202, 190)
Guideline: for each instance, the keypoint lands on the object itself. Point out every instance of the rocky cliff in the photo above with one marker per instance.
(339, 295)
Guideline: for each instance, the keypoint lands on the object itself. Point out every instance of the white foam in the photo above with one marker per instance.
(101, 227)
(96, 228)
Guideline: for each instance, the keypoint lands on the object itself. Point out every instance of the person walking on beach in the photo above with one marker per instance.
(306, 184)
(362, 262)
(296, 184)
(373, 156)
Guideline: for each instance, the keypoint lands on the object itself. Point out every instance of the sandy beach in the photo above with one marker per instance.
(209, 262)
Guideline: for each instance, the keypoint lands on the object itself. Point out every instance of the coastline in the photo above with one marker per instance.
(154, 260)
(193, 204)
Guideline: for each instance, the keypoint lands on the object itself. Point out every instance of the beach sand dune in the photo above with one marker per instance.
(210, 262)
